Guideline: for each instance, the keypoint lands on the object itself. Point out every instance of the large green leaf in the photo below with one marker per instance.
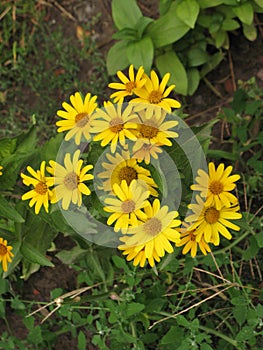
(169, 62)
(193, 80)
(244, 12)
(117, 57)
(209, 3)
(167, 29)
(187, 11)
(140, 53)
(259, 3)
(250, 31)
(125, 13)
(8, 211)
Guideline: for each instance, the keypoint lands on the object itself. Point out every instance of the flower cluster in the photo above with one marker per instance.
(135, 132)
(214, 207)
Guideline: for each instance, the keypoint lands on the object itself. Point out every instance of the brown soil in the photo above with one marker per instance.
(247, 61)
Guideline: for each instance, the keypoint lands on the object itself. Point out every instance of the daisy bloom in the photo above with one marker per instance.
(146, 152)
(150, 240)
(188, 240)
(155, 93)
(128, 84)
(112, 125)
(153, 129)
(127, 209)
(5, 253)
(209, 221)
(215, 185)
(40, 194)
(69, 180)
(78, 117)
(122, 167)
(0, 170)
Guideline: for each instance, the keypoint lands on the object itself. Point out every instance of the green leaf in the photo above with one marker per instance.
(230, 24)
(121, 263)
(209, 3)
(140, 53)
(8, 211)
(126, 34)
(167, 29)
(197, 57)
(253, 249)
(117, 58)
(69, 256)
(220, 37)
(141, 25)
(244, 12)
(81, 341)
(125, 13)
(26, 141)
(259, 3)
(240, 313)
(259, 238)
(214, 153)
(250, 31)
(169, 62)
(187, 11)
(133, 308)
(193, 80)
(213, 62)
(7, 147)
(34, 256)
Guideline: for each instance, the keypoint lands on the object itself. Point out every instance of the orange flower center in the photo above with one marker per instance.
(3, 250)
(153, 226)
(211, 215)
(130, 86)
(128, 174)
(81, 119)
(116, 125)
(148, 131)
(71, 181)
(155, 97)
(128, 206)
(41, 188)
(216, 187)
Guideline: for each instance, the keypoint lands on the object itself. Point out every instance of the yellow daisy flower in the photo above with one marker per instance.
(122, 167)
(146, 152)
(150, 240)
(188, 240)
(78, 117)
(209, 222)
(40, 194)
(128, 208)
(215, 185)
(155, 93)
(69, 179)
(153, 129)
(114, 125)
(5, 253)
(1, 173)
(128, 84)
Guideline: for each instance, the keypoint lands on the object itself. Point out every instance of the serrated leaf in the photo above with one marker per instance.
(140, 53)
(34, 256)
(167, 29)
(120, 263)
(117, 58)
(244, 12)
(169, 62)
(240, 313)
(133, 308)
(125, 13)
(8, 211)
(187, 11)
(253, 249)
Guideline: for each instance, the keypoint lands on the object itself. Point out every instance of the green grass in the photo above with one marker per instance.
(41, 66)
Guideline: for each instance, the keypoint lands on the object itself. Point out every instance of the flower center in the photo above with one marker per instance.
(116, 125)
(128, 206)
(81, 119)
(71, 181)
(216, 187)
(155, 97)
(130, 86)
(3, 250)
(128, 174)
(41, 188)
(153, 226)
(211, 215)
(148, 131)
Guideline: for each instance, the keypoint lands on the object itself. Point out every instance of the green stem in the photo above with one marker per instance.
(234, 243)
(220, 335)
